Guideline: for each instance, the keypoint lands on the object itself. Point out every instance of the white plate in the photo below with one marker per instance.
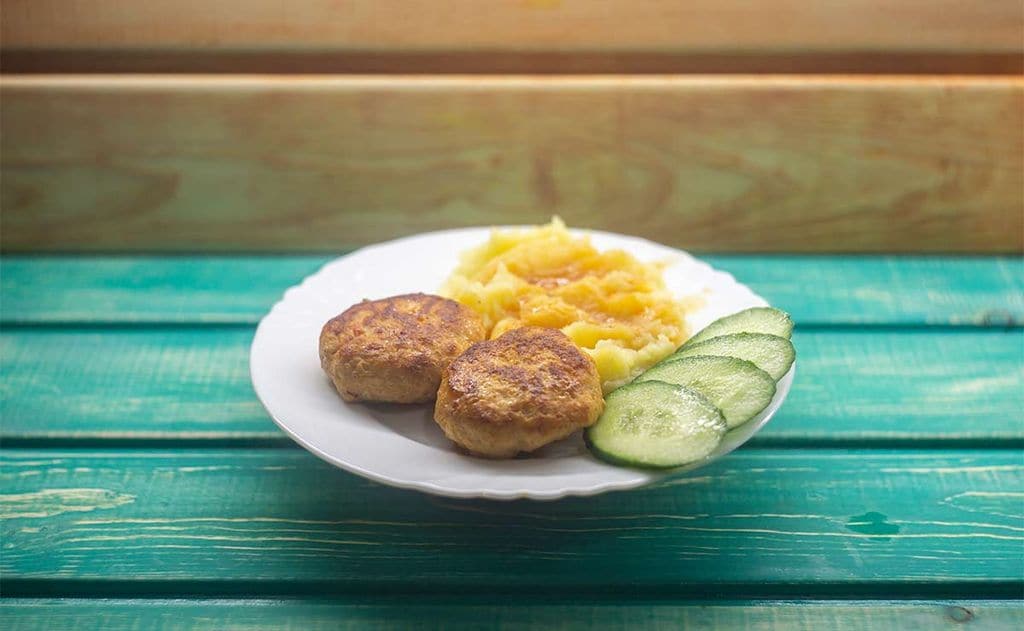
(401, 445)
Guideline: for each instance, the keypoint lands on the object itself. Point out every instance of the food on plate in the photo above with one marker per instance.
(395, 349)
(611, 305)
(753, 320)
(526, 388)
(542, 335)
(656, 424)
(736, 387)
(678, 411)
(770, 353)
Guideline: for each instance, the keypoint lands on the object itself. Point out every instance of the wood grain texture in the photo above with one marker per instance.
(316, 163)
(194, 289)
(272, 615)
(530, 25)
(172, 384)
(755, 519)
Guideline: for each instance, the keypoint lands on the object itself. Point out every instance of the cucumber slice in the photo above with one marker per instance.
(656, 424)
(754, 320)
(736, 387)
(770, 353)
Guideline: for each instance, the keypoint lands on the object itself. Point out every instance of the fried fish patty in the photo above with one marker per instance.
(518, 392)
(395, 349)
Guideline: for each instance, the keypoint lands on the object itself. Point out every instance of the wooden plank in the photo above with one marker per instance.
(164, 383)
(818, 521)
(847, 290)
(534, 25)
(147, 289)
(322, 163)
(559, 36)
(173, 384)
(22, 614)
(886, 290)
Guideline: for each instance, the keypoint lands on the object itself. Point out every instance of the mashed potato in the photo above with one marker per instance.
(612, 306)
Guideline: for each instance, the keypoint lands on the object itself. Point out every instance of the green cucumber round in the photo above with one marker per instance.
(754, 320)
(656, 425)
(770, 353)
(736, 387)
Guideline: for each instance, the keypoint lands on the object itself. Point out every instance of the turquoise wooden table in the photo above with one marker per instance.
(167, 170)
(143, 486)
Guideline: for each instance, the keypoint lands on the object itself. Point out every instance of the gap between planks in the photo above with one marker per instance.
(217, 589)
(475, 82)
(22, 61)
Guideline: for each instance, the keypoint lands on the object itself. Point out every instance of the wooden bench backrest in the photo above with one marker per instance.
(790, 126)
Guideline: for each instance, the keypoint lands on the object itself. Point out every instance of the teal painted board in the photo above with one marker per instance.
(313, 615)
(897, 385)
(111, 383)
(126, 289)
(193, 383)
(800, 519)
(235, 289)
(887, 290)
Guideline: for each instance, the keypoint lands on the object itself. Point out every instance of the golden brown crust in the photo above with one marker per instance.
(516, 393)
(395, 349)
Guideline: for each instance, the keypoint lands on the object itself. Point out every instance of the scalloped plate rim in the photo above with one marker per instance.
(275, 320)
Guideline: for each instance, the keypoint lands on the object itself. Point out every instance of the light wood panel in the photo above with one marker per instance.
(514, 36)
(517, 25)
(316, 163)
(804, 522)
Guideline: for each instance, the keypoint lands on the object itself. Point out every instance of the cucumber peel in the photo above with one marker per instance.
(754, 320)
(736, 387)
(770, 353)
